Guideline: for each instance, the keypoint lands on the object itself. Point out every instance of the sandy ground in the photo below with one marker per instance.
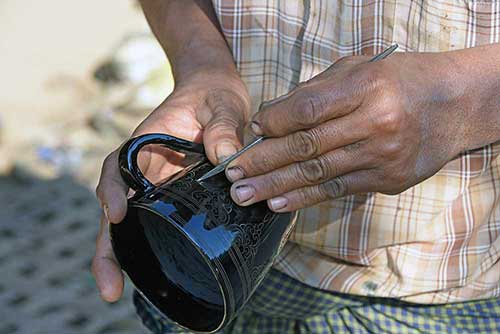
(49, 215)
(48, 50)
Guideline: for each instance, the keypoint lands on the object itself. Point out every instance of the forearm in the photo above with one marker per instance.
(189, 33)
(477, 71)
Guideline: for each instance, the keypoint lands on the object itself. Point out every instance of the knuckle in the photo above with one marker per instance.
(375, 77)
(334, 188)
(375, 81)
(390, 121)
(254, 164)
(99, 193)
(263, 164)
(307, 196)
(226, 122)
(275, 183)
(392, 150)
(109, 159)
(309, 108)
(303, 145)
(99, 190)
(313, 171)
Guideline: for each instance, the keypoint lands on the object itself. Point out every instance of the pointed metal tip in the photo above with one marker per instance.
(384, 54)
(211, 173)
(220, 167)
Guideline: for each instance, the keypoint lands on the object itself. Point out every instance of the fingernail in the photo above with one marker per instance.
(234, 174)
(106, 212)
(256, 128)
(244, 193)
(278, 203)
(224, 150)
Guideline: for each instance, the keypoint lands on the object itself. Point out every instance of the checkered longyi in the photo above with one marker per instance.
(283, 305)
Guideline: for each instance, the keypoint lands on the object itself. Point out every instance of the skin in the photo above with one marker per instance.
(370, 127)
(357, 127)
(209, 104)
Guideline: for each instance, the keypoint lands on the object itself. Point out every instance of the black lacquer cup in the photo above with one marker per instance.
(190, 251)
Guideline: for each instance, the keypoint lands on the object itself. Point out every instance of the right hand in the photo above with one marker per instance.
(211, 108)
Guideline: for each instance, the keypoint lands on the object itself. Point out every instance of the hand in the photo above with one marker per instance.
(357, 127)
(209, 108)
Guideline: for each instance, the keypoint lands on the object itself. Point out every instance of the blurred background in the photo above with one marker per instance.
(76, 78)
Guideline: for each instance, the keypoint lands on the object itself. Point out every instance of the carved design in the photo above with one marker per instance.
(259, 271)
(220, 210)
(248, 239)
(183, 184)
(216, 203)
(247, 242)
(238, 241)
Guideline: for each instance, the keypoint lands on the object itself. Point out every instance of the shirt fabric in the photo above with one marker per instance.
(282, 305)
(436, 242)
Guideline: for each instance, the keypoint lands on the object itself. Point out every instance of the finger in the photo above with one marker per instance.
(327, 96)
(111, 190)
(223, 118)
(302, 174)
(353, 183)
(105, 267)
(156, 161)
(340, 64)
(159, 162)
(346, 62)
(302, 145)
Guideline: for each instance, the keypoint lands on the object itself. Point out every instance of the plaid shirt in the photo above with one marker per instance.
(434, 243)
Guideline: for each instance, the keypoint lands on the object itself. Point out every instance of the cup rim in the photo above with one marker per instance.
(204, 257)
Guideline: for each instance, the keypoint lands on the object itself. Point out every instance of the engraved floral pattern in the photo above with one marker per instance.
(213, 199)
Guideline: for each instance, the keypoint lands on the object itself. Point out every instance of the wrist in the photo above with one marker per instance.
(190, 35)
(209, 78)
(476, 77)
(199, 57)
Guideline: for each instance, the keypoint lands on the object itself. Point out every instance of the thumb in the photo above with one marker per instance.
(112, 190)
(223, 119)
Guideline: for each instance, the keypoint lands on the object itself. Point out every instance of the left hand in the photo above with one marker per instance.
(357, 127)
(211, 107)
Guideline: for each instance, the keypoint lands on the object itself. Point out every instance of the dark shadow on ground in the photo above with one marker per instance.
(47, 237)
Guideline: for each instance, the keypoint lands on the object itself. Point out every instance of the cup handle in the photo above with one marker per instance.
(127, 158)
